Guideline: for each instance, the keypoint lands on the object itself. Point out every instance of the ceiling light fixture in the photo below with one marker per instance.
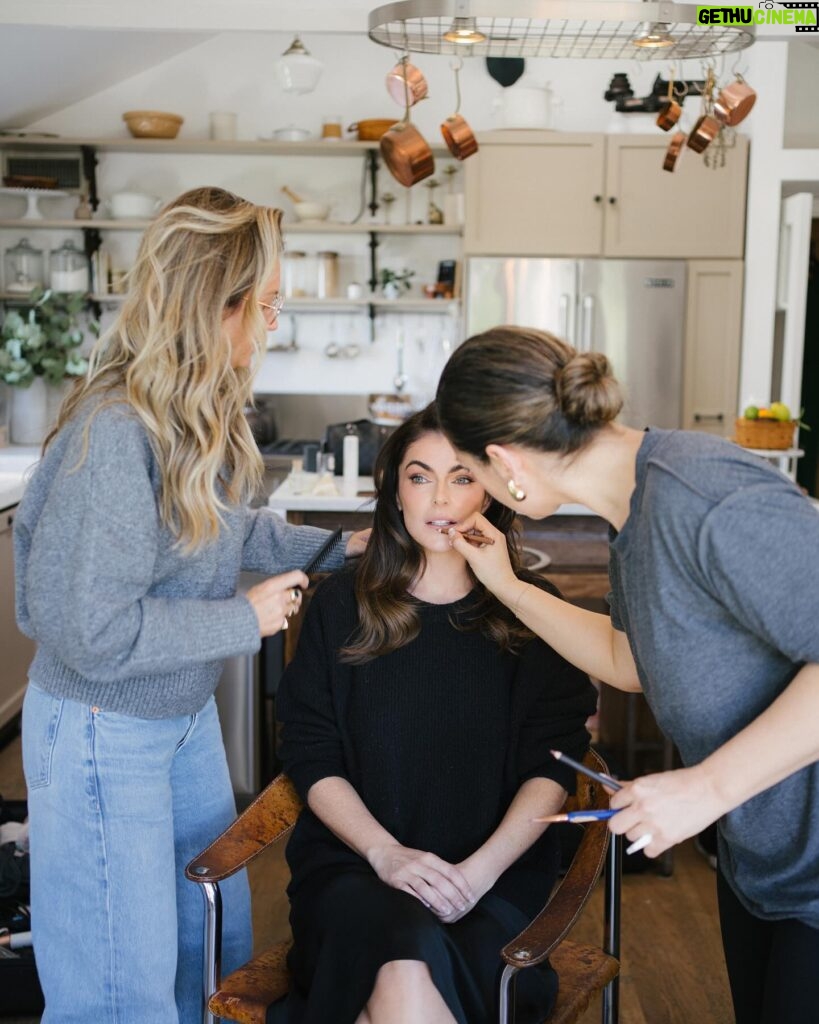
(654, 35)
(297, 70)
(601, 29)
(464, 33)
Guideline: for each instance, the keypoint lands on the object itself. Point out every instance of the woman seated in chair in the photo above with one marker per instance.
(417, 718)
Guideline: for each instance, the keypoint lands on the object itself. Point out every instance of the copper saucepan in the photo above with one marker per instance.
(404, 149)
(703, 133)
(458, 136)
(406, 153)
(734, 102)
(671, 110)
(675, 148)
(416, 84)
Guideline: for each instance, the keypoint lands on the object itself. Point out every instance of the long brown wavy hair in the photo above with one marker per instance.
(387, 613)
(168, 356)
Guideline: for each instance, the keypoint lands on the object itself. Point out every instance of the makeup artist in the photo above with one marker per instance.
(128, 546)
(714, 562)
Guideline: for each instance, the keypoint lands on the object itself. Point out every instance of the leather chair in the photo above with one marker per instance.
(245, 995)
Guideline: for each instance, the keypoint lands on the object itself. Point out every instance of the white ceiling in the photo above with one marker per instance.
(54, 53)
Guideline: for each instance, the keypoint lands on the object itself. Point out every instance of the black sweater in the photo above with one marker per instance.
(436, 737)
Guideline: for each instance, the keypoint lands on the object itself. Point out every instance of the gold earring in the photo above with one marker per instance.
(515, 491)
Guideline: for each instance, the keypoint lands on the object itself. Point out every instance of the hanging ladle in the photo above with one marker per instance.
(457, 134)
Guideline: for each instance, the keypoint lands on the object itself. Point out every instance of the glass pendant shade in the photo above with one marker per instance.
(297, 70)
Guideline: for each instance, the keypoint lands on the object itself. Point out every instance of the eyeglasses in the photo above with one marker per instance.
(275, 307)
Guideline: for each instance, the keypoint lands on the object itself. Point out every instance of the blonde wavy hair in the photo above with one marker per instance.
(168, 355)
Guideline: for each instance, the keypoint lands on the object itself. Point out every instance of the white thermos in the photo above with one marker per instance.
(350, 464)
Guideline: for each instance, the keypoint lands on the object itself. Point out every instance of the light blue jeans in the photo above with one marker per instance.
(117, 808)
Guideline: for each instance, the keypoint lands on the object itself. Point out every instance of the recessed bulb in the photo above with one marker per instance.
(464, 32)
(654, 35)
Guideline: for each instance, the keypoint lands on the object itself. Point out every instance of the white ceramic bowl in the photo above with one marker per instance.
(311, 211)
(133, 205)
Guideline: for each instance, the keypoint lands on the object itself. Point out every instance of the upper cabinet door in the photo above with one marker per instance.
(695, 211)
(533, 193)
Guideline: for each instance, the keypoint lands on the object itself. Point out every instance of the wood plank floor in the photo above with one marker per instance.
(672, 966)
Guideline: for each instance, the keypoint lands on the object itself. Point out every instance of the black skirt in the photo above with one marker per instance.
(349, 924)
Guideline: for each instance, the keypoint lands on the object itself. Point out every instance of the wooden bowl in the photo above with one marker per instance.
(152, 124)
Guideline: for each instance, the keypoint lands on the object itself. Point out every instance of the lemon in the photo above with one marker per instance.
(780, 411)
(751, 413)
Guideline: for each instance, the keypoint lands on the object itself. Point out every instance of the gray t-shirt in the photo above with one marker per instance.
(715, 580)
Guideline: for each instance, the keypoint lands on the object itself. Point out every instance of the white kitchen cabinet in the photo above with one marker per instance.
(17, 649)
(533, 193)
(712, 343)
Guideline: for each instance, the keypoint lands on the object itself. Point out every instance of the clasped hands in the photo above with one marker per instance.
(450, 891)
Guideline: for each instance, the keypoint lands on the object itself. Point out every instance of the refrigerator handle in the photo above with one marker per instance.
(565, 333)
(586, 324)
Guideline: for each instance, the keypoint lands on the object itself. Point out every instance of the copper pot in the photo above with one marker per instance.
(734, 102)
(669, 114)
(703, 133)
(416, 85)
(675, 148)
(406, 153)
(459, 137)
(372, 128)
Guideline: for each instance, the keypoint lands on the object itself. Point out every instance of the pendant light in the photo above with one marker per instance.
(297, 70)
(600, 29)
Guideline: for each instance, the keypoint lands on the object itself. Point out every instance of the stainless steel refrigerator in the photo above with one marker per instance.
(632, 310)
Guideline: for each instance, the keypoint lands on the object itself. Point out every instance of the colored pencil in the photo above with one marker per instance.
(580, 816)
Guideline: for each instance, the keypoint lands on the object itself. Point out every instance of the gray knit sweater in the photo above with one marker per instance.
(123, 619)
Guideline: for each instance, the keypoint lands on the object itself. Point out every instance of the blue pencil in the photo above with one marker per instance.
(580, 816)
(605, 780)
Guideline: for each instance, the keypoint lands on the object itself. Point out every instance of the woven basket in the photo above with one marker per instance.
(773, 434)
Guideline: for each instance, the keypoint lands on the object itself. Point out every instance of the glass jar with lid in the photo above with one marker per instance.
(69, 269)
(327, 275)
(23, 267)
(298, 277)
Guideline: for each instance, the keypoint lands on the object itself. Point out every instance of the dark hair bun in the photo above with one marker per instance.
(586, 390)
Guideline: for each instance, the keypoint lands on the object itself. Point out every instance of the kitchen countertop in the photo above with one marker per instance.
(15, 462)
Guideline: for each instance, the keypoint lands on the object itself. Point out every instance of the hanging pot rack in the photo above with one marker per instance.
(596, 29)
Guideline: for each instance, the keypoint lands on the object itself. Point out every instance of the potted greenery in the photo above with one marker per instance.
(391, 281)
(39, 350)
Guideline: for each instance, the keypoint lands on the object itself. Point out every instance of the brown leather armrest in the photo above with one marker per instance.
(557, 918)
(271, 815)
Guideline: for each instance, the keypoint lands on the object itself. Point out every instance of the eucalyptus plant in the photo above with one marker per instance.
(43, 339)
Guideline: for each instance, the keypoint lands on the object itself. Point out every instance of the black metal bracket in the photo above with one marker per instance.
(89, 169)
(372, 168)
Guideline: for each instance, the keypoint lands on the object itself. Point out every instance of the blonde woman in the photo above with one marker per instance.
(128, 543)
